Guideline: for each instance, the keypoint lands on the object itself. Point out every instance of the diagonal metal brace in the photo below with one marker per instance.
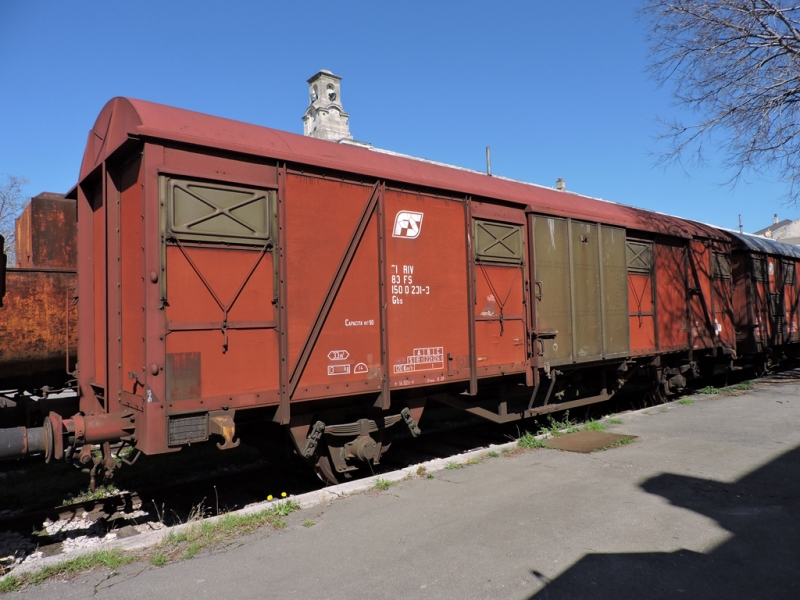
(333, 289)
(225, 308)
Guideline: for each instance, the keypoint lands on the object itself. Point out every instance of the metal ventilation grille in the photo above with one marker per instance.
(722, 266)
(184, 429)
(498, 242)
(639, 256)
(217, 212)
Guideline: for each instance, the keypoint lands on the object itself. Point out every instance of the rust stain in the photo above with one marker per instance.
(33, 322)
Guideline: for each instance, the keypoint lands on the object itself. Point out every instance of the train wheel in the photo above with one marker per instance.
(325, 472)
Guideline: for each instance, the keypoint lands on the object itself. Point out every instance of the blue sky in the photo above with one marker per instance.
(556, 89)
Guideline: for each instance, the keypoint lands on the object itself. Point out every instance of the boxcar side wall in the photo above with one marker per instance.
(218, 283)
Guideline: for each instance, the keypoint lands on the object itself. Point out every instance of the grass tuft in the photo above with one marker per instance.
(102, 492)
(557, 428)
(594, 426)
(309, 523)
(745, 386)
(613, 421)
(383, 484)
(622, 442)
(111, 559)
(197, 536)
(159, 559)
(421, 470)
(9, 584)
(492, 454)
(529, 441)
(475, 460)
(709, 389)
(685, 401)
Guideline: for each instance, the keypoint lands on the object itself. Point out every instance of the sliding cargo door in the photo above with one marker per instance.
(580, 290)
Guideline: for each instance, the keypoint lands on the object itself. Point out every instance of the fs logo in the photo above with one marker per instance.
(407, 225)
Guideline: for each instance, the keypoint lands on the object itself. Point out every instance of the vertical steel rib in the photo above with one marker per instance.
(473, 360)
(385, 399)
(283, 414)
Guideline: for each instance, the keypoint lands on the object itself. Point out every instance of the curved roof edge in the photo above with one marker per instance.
(123, 118)
(764, 245)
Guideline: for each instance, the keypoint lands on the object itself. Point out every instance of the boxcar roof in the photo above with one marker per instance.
(764, 245)
(123, 118)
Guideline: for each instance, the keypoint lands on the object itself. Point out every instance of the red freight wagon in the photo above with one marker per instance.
(333, 289)
(767, 314)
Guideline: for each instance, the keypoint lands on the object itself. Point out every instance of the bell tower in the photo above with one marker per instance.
(325, 118)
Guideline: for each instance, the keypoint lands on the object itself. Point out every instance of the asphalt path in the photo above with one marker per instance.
(704, 504)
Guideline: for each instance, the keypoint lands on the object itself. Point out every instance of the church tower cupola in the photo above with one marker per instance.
(325, 118)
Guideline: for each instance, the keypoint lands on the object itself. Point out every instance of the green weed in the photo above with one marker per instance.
(201, 535)
(492, 454)
(685, 401)
(473, 461)
(308, 523)
(383, 484)
(614, 421)
(709, 389)
(111, 559)
(9, 584)
(594, 426)
(745, 386)
(617, 444)
(529, 441)
(159, 559)
(421, 470)
(104, 491)
(557, 428)
(453, 465)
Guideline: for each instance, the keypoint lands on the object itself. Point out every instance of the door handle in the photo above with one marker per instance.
(539, 290)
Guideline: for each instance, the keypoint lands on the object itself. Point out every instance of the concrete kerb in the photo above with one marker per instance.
(308, 500)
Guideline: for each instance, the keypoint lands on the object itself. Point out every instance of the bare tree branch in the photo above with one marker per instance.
(736, 65)
(12, 201)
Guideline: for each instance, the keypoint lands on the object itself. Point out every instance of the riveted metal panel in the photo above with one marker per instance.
(552, 288)
(498, 242)
(201, 211)
(615, 291)
(586, 291)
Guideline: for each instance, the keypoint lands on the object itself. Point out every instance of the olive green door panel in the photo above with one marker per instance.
(552, 288)
(586, 292)
(614, 282)
(580, 289)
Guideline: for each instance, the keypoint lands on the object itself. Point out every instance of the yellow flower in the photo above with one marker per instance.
(269, 497)
(283, 494)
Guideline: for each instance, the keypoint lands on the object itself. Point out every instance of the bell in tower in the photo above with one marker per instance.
(325, 118)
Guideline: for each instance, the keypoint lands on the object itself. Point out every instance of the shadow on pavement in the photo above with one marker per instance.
(760, 560)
